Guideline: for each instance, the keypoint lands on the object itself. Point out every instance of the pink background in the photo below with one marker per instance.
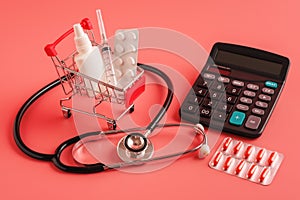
(28, 25)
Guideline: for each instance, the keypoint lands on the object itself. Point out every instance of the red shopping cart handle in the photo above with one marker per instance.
(50, 48)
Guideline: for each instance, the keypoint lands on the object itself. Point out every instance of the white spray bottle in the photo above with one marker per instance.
(89, 60)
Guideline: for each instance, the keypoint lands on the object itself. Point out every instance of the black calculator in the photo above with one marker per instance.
(236, 90)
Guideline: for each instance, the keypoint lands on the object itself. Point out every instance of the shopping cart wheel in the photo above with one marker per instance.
(67, 114)
(112, 125)
(131, 109)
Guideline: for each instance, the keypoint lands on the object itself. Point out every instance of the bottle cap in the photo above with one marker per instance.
(82, 41)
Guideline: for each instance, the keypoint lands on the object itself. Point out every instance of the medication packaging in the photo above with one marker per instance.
(126, 52)
(246, 161)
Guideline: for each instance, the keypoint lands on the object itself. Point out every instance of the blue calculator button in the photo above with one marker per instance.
(237, 118)
(271, 84)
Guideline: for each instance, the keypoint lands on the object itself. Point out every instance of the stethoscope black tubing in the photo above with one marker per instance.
(19, 117)
(168, 99)
(85, 169)
(55, 158)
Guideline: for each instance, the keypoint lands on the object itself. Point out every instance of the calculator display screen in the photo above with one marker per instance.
(248, 63)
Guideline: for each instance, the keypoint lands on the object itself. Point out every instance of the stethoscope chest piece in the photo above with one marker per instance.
(135, 146)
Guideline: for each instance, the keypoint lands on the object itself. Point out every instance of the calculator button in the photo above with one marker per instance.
(258, 111)
(205, 112)
(264, 97)
(246, 100)
(237, 118)
(271, 84)
(215, 95)
(231, 99)
(249, 93)
(261, 104)
(233, 91)
(251, 86)
(209, 103)
(220, 116)
(224, 107)
(242, 107)
(253, 122)
(268, 91)
(204, 84)
(238, 83)
(201, 92)
(209, 76)
(223, 79)
(190, 108)
(218, 86)
(195, 100)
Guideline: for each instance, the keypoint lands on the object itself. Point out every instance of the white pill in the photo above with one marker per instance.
(131, 60)
(132, 35)
(118, 73)
(133, 48)
(118, 61)
(119, 48)
(130, 72)
(120, 36)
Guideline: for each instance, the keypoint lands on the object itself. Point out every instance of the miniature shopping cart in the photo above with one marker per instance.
(75, 83)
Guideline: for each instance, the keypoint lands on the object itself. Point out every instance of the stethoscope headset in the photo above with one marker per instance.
(134, 148)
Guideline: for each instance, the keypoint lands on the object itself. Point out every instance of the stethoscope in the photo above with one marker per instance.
(134, 148)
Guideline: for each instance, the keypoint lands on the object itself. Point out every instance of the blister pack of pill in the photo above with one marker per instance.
(246, 161)
(126, 52)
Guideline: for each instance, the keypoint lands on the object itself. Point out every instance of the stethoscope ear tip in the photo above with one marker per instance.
(199, 127)
(204, 151)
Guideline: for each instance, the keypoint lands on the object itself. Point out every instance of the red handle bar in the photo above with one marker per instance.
(50, 48)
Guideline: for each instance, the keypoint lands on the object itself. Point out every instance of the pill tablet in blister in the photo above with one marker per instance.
(264, 174)
(227, 163)
(251, 171)
(119, 48)
(217, 159)
(240, 167)
(131, 60)
(133, 48)
(248, 151)
(260, 155)
(226, 143)
(118, 61)
(237, 147)
(132, 36)
(272, 158)
(118, 73)
(246, 161)
(120, 36)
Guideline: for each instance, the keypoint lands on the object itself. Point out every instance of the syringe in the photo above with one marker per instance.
(106, 53)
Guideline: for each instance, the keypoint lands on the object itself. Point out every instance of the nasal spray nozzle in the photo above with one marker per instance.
(82, 41)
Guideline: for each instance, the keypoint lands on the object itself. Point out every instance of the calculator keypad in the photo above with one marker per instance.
(235, 102)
